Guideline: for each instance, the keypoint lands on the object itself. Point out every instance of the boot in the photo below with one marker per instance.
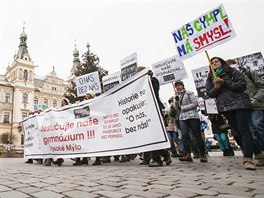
(260, 158)
(248, 163)
(155, 164)
(29, 161)
(186, 158)
(203, 158)
(85, 161)
(47, 162)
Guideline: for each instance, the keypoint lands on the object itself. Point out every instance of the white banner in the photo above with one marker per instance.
(87, 82)
(207, 31)
(111, 80)
(169, 70)
(124, 120)
(128, 66)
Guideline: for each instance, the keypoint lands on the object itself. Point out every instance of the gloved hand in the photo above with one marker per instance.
(218, 82)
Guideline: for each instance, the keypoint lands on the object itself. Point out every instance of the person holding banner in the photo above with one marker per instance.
(189, 121)
(155, 155)
(88, 96)
(59, 161)
(228, 86)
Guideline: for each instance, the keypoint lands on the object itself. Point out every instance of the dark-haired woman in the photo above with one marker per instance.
(228, 88)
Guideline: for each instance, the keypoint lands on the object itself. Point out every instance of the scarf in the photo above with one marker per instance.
(217, 72)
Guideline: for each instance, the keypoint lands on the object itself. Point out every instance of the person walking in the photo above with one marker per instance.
(59, 161)
(88, 96)
(228, 87)
(189, 121)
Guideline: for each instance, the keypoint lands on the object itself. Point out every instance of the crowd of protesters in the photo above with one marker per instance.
(239, 96)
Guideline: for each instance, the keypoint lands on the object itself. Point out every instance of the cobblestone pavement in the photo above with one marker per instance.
(220, 177)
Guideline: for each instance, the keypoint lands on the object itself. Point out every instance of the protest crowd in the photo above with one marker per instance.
(238, 106)
(237, 95)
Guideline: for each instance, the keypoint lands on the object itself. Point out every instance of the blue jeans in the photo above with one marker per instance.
(191, 126)
(172, 138)
(239, 120)
(257, 117)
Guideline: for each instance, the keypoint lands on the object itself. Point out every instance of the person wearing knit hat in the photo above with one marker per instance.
(178, 82)
(89, 95)
(189, 121)
(65, 102)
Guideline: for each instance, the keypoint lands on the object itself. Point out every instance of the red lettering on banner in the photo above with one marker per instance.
(211, 37)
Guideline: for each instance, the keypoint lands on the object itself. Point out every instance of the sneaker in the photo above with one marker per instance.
(186, 158)
(155, 164)
(260, 162)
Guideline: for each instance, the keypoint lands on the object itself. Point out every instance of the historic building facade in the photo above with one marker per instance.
(21, 92)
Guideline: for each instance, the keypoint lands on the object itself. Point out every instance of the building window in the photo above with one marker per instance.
(35, 100)
(54, 88)
(7, 97)
(6, 117)
(25, 98)
(46, 102)
(24, 115)
(20, 73)
(54, 103)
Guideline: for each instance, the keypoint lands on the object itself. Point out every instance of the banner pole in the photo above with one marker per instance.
(210, 63)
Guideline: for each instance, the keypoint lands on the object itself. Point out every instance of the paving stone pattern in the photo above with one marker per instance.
(222, 177)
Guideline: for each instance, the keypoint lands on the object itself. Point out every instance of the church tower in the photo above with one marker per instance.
(76, 63)
(21, 75)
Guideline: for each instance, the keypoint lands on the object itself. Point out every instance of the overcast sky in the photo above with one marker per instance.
(116, 29)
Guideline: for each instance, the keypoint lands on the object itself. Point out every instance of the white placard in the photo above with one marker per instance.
(205, 32)
(87, 82)
(210, 106)
(128, 66)
(111, 80)
(169, 70)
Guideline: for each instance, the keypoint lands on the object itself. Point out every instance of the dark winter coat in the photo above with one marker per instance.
(231, 96)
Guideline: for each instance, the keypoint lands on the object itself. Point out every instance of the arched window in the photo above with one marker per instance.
(46, 102)
(20, 73)
(25, 75)
(30, 76)
(54, 103)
